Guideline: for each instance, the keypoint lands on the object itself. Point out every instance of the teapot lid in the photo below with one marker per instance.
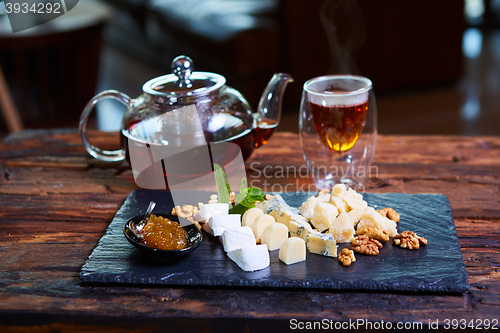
(184, 82)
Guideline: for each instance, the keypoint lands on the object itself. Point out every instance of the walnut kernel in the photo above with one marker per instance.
(365, 245)
(409, 240)
(346, 257)
(185, 211)
(390, 214)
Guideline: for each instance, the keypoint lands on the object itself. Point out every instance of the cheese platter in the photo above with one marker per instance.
(436, 267)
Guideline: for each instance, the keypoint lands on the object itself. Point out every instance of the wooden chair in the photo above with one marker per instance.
(9, 110)
(52, 71)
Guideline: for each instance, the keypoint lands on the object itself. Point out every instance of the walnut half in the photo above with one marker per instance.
(390, 214)
(365, 245)
(409, 240)
(346, 257)
(375, 233)
(184, 211)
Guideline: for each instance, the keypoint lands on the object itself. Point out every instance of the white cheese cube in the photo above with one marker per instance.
(307, 208)
(354, 200)
(323, 244)
(293, 250)
(274, 235)
(261, 223)
(250, 216)
(324, 214)
(342, 229)
(233, 239)
(371, 218)
(209, 210)
(339, 204)
(251, 258)
(339, 190)
(219, 223)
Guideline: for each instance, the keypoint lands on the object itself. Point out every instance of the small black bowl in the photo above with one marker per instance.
(194, 238)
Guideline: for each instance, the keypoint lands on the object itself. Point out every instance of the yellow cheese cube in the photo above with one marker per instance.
(274, 235)
(307, 208)
(342, 229)
(339, 204)
(324, 214)
(354, 200)
(355, 215)
(293, 250)
(261, 223)
(250, 216)
(339, 190)
(371, 218)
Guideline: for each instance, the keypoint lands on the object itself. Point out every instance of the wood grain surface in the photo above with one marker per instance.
(56, 203)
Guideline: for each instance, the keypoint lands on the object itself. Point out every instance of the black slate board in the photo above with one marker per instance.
(437, 267)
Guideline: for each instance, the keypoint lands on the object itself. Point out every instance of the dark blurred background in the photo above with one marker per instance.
(435, 65)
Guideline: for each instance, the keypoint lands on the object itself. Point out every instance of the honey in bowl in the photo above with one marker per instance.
(163, 234)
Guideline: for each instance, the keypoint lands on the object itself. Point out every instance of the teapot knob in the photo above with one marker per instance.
(182, 66)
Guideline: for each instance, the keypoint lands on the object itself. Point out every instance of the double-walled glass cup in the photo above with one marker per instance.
(338, 130)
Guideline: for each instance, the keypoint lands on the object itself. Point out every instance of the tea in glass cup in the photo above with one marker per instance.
(338, 129)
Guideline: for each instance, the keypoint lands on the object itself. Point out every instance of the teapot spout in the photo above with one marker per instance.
(269, 108)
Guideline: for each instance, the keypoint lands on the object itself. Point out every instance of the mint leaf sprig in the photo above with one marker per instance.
(246, 197)
(223, 189)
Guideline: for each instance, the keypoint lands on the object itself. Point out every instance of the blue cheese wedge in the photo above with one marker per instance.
(300, 227)
(274, 203)
(251, 258)
(323, 244)
(283, 216)
(237, 238)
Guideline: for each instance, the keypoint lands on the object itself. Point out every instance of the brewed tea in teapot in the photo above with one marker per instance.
(180, 113)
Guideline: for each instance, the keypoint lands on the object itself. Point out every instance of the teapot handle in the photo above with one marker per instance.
(104, 155)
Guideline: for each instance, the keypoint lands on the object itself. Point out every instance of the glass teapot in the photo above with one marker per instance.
(189, 109)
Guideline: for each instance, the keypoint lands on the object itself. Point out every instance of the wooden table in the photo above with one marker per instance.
(56, 202)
